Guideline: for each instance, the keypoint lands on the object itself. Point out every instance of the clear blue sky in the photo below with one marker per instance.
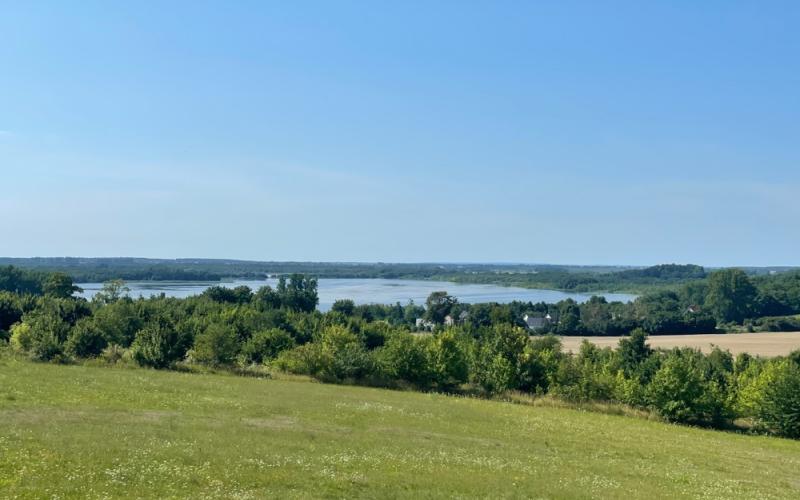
(563, 132)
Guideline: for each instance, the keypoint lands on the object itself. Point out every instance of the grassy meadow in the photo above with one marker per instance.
(89, 432)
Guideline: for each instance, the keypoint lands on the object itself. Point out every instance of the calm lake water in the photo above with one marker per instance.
(368, 291)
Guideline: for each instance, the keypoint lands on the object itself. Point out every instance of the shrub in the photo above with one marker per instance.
(499, 357)
(158, 346)
(47, 334)
(449, 360)
(85, 340)
(345, 355)
(337, 355)
(307, 359)
(405, 357)
(217, 345)
(21, 339)
(375, 334)
(776, 401)
(679, 391)
(266, 345)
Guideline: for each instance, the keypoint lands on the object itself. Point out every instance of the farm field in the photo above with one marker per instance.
(92, 432)
(761, 344)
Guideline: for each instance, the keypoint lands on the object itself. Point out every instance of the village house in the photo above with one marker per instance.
(536, 322)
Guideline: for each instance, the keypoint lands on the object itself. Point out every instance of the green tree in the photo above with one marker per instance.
(449, 360)
(344, 306)
(731, 295)
(438, 305)
(112, 291)
(267, 344)
(680, 392)
(299, 293)
(633, 351)
(60, 285)
(217, 345)
(405, 357)
(777, 406)
(85, 340)
(499, 358)
(569, 318)
(158, 345)
(10, 311)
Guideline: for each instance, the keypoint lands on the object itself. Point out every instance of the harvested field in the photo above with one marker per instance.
(762, 344)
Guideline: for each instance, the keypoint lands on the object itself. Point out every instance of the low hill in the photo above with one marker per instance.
(84, 432)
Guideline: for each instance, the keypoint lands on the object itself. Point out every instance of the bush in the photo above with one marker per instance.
(47, 335)
(307, 359)
(405, 357)
(158, 346)
(217, 345)
(21, 338)
(679, 392)
(85, 340)
(337, 356)
(498, 359)
(449, 361)
(345, 355)
(266, 345)
(776, 403)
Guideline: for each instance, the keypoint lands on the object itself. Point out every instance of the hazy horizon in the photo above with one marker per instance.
(600, 133)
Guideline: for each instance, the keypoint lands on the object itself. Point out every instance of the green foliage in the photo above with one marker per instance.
(772, 396)
(634, 351)
(10, 310)
(112, 291)
(449, 359)
(499, 359)
(158, 345)
(346, 356)
(338, 355)
(680, 392)
(406, 357)
(344, 306)
(299, 293)
(21, 338)
(438, 305)
(731, 295)
(217, 345)
(59, 285)
(238, 295)
(265, 345)
(85, 340)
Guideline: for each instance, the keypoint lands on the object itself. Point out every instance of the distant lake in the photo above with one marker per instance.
(368, 291)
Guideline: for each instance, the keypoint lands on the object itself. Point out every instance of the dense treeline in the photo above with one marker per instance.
(573, 278)
(485, 350)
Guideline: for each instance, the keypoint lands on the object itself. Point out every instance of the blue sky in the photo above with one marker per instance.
(561, 132)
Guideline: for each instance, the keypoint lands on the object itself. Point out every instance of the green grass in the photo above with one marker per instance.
(90, 432)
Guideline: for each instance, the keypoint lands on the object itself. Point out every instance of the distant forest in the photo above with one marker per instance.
(568, 278)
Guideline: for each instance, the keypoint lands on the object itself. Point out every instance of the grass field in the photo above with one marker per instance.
(762, 344)
(93, 432)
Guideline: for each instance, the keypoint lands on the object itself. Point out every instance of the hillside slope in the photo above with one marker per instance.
(77, 431)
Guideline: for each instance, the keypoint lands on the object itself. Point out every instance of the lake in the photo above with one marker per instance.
(368, 291)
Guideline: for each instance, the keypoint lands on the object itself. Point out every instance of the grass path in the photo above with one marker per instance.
(84, 432)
